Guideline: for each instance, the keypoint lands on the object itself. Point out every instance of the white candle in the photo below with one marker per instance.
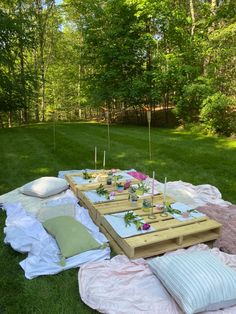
(153, 180)
(104, 159)
(95, 156)
(164, 194)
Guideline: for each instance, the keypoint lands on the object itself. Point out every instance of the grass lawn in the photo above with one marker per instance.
(28, 153)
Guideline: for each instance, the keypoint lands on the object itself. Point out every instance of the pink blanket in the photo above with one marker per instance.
(226, 215)
(121, 286)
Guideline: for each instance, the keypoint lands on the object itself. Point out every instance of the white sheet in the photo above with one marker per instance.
(189, 194)
(26, 234)
(33, 204)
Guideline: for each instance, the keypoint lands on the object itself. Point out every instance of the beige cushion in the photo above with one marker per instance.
(44, 187)
(47, 212)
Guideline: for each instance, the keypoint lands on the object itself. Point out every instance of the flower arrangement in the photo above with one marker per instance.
(130, 218)
(127, 184)
(102, 191)
(120, 186)
(146, 205)
(172, 211)
(133, 197)
(86, 175)
(132, 189)
(117, 177)
(142, 188)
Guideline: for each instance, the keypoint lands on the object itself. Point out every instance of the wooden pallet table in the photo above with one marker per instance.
(71, 178)
(121, 203)
(91, 184)
(170, 233)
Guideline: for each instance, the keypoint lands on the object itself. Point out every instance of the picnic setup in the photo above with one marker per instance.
(174, 253)
(117, 162)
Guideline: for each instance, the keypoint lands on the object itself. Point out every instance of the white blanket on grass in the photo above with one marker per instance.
(26, 234)
(189, 194)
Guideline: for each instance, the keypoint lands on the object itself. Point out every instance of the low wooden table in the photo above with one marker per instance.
(170, 234)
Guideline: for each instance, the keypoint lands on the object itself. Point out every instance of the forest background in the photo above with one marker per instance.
(79, 59)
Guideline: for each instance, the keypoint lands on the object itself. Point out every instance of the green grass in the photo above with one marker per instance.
(28, 153)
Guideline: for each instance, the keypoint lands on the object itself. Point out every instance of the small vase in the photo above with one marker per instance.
(146, 206)
(120, 188)
(139, 192)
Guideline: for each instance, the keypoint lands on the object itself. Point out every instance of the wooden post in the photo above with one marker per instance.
(54, 130)
(108, 130)
(149, 132)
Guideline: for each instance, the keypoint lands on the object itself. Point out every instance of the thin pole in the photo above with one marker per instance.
(108, 131)
(149, 135)
(54, 131)
(149, 132)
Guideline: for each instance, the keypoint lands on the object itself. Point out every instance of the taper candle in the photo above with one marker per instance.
(153, 181)
(104, 159)
(95, 157)
(164, 194)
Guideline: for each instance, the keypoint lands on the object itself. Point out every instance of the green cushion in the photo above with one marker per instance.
(71, 236)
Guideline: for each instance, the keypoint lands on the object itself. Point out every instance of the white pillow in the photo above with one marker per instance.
(198, 281)
(48, 212)
(44, 187)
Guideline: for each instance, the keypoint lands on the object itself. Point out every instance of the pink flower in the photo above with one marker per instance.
(127, 184)
(112, 195)
(185, 215)
(145, 226)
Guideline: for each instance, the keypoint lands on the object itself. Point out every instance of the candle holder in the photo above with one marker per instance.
(165, 210)
(109, 178)
(151, 214)
(165, 207)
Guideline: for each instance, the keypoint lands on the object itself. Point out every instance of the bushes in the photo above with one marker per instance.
(217, 114)
(188, 107)
(214, 110)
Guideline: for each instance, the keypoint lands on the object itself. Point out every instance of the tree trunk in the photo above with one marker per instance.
(22, 68)
(10, 119)
(166, 107)
(213, 6)
(1, 122)
(43, 12)
(192, 16)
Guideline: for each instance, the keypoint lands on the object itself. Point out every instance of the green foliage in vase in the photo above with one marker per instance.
(143, 187)
(147, 203)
